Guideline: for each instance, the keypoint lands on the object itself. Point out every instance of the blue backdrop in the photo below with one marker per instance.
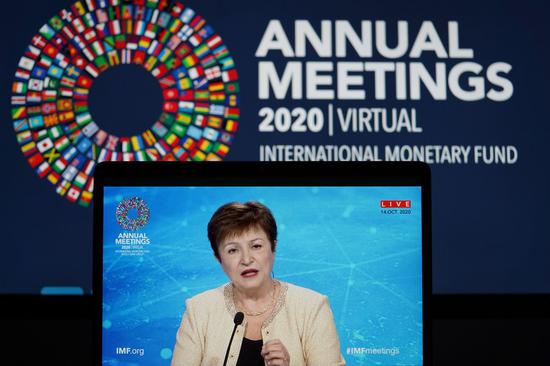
(336, 241)
(488, 218)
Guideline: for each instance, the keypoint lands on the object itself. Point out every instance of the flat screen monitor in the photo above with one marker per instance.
(358, 234)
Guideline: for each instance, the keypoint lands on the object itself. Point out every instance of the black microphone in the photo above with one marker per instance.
(239, 317)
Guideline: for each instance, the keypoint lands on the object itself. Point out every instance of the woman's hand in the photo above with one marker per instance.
(275, 354)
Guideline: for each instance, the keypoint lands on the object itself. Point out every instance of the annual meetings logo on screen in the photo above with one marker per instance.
(54, 128)
(123, 209)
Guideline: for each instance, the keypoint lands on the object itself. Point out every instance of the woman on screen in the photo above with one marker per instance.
(283, 324)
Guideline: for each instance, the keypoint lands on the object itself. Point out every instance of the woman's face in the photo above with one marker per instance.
(247, 259)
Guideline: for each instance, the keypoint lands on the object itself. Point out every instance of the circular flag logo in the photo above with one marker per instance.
(53, 124)
(124, 208)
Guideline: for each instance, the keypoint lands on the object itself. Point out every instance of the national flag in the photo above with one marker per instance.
(66, 92)
(51, 120)
(226, 138)
(62, 187)
(104, 155)
(227, 63)
(178, 129)
(26, 63)
(183, 118)
(80, 106)
(101, 16)
(220, 52)
(159, 129)
(28, 148)
(48, 108)
(36, 84)
(78, 25)
(200, 120)
(217, 110)
(128, 156)
(84, 81)
(229, 75)
(137, 143)
(44, 145)
(112, 142)
(139, 27)
(90, 19)
(190, 61)
(68, 32)
(38, 41)
(201, 108)
(90, 129)
(172, 139)
(213, 73)
(220, 149)
(64, 104)
(35, 160)
(33, 110)
(60, 165)
(55, 132)
(53, 177)
(39, 134)
(169, 94)
(159, 71)
(84, 145)
(33, 97)
(170, 107)
(210, 134)
(92, 70)
(19, 87)
(204, 145)
(88, 167)
(114, 27)
(83, 119)
(214, 122)
(201, 51)
(85, 199)
(148, 137)
(186, 106)
(38, 72)
(23, 137)
(47, 31)
(232, 88)
(55, 71)
(198, 155)
(217, 97)
(18, 112)
(201, 95)
(22, 74)
(167, 82)
(80, 179)
(66, 116)
(112, 57)
(182, 51)
(43, 169)
(62, 143)
(52, 155)
(231, 125)
(208, 61)
(151, 31)
(20, 125)
(100, 137)
(194, 132)
(153, 154)
(70, 153)
(184, 83)
(73, 193)
(18, 100)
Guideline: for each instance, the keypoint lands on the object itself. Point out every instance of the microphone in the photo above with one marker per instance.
(239, 317)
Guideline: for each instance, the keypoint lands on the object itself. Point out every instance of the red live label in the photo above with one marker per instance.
(395, 203)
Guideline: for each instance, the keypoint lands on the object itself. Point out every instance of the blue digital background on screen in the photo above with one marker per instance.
(335, 240)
